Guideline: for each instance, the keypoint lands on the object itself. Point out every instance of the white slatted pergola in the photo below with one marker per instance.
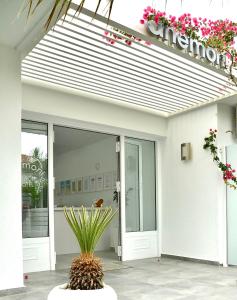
(75, 54)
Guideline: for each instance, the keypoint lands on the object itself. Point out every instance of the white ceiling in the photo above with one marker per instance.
(69, 139)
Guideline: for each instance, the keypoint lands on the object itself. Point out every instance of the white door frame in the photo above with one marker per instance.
(123, 194)
(51, 187)
(222, 215)
(77, 124)
(158, 154)
(137, 143)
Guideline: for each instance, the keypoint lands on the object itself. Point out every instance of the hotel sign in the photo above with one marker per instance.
(34, 173)
(182, 42)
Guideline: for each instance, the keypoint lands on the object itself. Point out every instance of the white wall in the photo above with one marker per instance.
(11, 261)
(82, 162)
(192, 204)
(58, 103)
(189, 204)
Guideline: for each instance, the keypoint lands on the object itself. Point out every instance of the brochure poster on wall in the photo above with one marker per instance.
(68, 186)
(99, 182)
(62, 187)
(92, 184)
(79, 185)
(86, 182)
(73, 186)
(108, 181)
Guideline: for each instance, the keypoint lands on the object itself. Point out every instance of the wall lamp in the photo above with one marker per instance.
(186, 151)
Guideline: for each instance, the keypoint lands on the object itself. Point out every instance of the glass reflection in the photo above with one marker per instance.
(34, 180)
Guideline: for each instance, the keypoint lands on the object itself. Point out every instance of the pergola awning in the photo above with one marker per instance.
(76, 54)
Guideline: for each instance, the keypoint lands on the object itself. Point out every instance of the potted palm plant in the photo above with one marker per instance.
(86, 274)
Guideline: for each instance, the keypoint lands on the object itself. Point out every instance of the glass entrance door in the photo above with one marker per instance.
(35, 211)
(34, 180)
(140, 237)
(132, 191)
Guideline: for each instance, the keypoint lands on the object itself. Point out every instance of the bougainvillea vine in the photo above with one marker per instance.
(218, 34)
(228, 172)
(120, 35)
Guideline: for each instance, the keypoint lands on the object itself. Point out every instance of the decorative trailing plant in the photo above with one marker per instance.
(218, 34)
(123, 36)
(88, 226)
(228, 172)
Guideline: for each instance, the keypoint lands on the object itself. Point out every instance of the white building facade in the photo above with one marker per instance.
(191, 197)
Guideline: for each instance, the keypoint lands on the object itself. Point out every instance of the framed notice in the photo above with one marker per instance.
(73, 186)
(62, 187)
(86, 184)
(79, 184)
(92, 184)
(99, 182)
(67, 186)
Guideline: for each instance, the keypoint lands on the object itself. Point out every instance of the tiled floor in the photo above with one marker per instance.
(149, 279)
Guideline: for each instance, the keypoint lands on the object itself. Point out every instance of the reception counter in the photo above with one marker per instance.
(66, 242)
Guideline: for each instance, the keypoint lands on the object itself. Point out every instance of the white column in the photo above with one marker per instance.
(11, 261)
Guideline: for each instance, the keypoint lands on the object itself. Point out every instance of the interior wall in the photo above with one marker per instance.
(61, 104)
(11, 260)
(189, 204)
(94, 159)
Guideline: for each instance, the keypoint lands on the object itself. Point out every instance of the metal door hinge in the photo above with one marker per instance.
(119, 250)
(118, 186)
(53, 136)
(117, 147)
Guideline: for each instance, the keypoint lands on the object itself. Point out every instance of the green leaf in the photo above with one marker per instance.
(89, 225)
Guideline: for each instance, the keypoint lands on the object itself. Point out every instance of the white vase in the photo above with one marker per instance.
(60, 292)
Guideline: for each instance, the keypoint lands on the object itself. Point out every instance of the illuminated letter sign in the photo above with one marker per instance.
(183, 42)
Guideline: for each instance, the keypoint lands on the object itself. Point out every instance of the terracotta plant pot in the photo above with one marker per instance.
(60, 292)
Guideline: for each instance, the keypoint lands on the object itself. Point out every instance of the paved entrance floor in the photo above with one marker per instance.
(149, 279)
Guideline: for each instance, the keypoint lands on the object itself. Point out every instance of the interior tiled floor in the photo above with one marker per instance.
(148, 279)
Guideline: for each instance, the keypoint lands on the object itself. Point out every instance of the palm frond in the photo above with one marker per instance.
(89, 225)
(37, 4)
(61, 7)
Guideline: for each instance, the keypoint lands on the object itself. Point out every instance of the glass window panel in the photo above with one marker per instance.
(34, 160)
(148, 185)
(132, 187)
(140, 185)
